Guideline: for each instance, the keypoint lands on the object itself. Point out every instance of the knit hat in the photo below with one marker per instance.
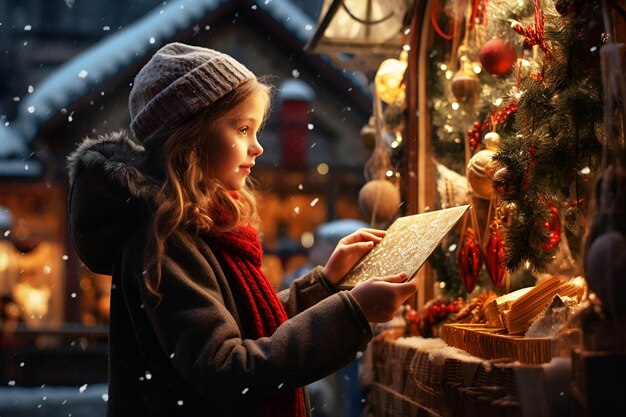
(178, 82)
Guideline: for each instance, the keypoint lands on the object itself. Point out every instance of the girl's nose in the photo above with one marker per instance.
(256, 149)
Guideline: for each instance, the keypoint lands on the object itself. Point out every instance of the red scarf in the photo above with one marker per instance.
(241, 252)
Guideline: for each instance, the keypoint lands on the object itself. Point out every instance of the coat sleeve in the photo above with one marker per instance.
(200, 331)
(307, 291)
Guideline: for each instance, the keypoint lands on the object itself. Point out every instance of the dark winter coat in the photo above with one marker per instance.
(190, 356)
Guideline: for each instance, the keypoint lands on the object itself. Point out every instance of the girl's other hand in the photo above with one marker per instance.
(348, 252)
(380, 298)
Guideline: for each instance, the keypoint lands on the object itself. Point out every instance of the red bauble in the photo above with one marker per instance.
(470, 259)
(494, 256)
(553, 224)
(497, 56)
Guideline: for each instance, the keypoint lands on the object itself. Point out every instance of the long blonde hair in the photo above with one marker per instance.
(189, 195)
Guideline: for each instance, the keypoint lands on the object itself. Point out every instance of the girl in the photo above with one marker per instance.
(196, 328)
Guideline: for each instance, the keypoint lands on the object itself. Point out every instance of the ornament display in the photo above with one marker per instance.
(470, 259)
(497, 56)
(479, 173)
(553, 224)
(494, 255)
(465, 86)
(379, 201)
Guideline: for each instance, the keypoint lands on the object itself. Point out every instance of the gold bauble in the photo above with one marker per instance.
(480, 170)
(379, 201)
(389, 80)
(492, 141)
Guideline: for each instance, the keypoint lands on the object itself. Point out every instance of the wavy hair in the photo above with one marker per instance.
(190, 196)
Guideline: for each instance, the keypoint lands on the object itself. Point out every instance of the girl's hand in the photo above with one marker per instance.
(380, 298)
(348, 252)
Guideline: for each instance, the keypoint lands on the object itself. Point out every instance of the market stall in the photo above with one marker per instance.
(515, 107)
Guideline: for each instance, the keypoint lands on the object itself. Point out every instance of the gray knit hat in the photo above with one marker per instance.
(178, 82)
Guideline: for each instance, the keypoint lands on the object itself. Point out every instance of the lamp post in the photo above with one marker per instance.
(359, 34)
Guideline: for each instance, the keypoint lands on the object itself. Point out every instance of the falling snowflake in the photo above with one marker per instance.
(310, 126)
(180, 402)
(245, 391)
(106, 28)
(83, 73)
(28, 27)
(69, 3)
(82, 388)
(31, 89)
(314, 202)
(295, 73)
(105, 397)
(31, 109)
(296, 210)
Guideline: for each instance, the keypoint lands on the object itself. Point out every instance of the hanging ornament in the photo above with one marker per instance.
(368, 135)
(497, 56)
(553, 224)
(479, 173)
(465, 86)
(389, 80)
(379, 201)
(494, 255)
(470, 259)
(492, 141)
(502, 182)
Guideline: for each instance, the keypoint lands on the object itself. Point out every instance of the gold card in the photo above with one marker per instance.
(409, 241)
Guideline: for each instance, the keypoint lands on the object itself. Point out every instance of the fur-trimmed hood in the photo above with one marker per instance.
(110, 195)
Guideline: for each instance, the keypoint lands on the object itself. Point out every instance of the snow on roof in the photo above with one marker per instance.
(102, 61)
(11, 143)
(119, 50)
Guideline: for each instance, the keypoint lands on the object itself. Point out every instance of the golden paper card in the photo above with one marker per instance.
(409, 241)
